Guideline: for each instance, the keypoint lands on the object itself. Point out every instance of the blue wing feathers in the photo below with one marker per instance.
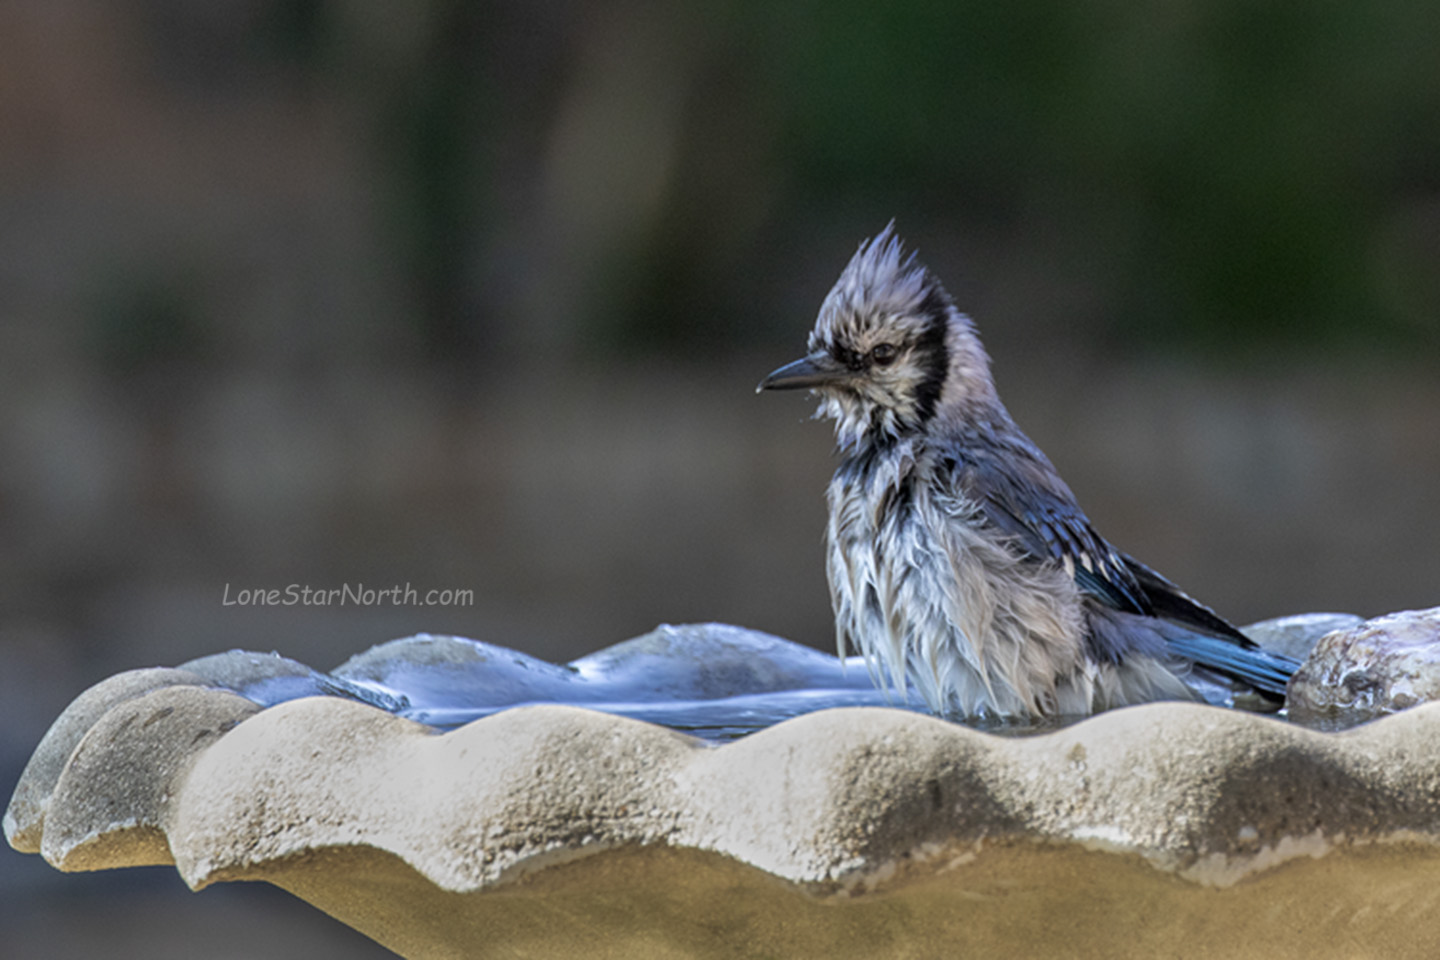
(1023, 497)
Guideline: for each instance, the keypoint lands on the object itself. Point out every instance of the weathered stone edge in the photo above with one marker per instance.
(834, 801)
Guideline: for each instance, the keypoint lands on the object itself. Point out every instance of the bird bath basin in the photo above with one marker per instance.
(432, 794)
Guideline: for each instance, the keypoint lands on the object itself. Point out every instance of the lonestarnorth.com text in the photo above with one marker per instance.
(349, 594)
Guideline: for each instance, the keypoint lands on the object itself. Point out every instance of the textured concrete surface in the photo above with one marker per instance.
(558, 831)
(26, 812)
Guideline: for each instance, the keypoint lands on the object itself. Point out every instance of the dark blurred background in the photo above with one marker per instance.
(475, 296)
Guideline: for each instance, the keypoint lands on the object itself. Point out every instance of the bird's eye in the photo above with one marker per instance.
(884, 353)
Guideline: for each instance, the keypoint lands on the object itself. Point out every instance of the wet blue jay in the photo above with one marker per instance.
(959, 562)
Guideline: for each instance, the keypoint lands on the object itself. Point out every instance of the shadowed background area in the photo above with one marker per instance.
(474, 296)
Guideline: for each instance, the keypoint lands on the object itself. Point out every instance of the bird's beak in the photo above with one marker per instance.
(816, 370)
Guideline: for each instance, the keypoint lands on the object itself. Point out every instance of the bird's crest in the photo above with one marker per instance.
(881, 286)
(928, 352)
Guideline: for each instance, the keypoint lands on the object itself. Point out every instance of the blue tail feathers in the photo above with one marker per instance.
(1268, 672)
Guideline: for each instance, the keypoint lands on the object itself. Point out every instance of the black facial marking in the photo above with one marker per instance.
(931, 352)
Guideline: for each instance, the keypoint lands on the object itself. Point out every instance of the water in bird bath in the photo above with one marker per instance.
(713, 681)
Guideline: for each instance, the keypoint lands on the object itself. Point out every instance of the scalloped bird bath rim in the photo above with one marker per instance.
(562, 831)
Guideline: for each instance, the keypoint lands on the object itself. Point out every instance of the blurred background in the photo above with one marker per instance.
(475, 296)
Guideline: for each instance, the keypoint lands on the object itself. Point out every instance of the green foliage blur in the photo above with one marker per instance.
(1234, 176)
(1255, 161)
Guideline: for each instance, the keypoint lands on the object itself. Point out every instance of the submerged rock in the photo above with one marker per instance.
(1377, 667)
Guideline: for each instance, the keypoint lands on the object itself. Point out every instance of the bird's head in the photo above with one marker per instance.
(889, 350)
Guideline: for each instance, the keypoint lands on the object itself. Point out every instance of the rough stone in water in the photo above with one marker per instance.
(1378, 667)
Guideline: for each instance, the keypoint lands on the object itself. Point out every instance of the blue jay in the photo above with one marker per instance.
(959, 562)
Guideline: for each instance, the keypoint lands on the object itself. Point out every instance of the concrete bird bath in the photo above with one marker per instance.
(427, 794)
